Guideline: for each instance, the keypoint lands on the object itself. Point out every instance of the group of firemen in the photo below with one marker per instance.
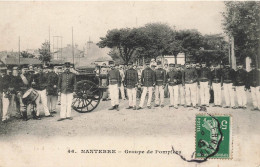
(46, 85)
(189, 85)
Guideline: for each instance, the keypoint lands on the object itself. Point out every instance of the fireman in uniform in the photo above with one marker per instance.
(15, 83)
(66, 88)
(189, 81)
(148, 83)
(174, 78)
(131, 83)
(39, 83)
(254, 86)
(122, 88)
(240, 86)
(6, 97)
(160, 76)
(181, 87)
(24, 83)
(52, 90)
(216, 80)
(114, 81)
(204, 84)
(198, 68)
(228, 87)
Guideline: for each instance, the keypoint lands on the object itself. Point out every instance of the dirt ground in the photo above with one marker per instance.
(157, 128)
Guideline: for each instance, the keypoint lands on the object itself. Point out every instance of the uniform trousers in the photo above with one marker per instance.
(52, 102)
(131, 93)
(114, 94)
(5, 102)
(174, 95)
(159, 95)
(150, 94)
(217, 93)
(43, 98)
(229, 94)
(65, 108)
(255, 96)
(182, 95)
(122, 91)
(204, 93)
(198, 97)
(241, 96)
(191, 93)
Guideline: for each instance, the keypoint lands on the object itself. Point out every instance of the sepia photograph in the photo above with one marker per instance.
(130, 83)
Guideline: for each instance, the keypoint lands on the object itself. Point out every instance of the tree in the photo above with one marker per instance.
(25, 54)
(126, 40)
(242, 21)
(191, 42)
(45, 55)
(214, 48)
(159, 39)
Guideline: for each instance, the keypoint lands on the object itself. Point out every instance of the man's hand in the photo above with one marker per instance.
(55, 86)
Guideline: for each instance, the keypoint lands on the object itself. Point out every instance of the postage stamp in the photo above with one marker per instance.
(213, 136)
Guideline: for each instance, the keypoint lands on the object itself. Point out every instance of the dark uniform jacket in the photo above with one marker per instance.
(131, 78)
(6, 82)
(114, 77)
(67, 82)
(204, 74)
(254, 78)
(160, 76)
(52, 83)
(40, 80)
(240, 77)
(148, 77)
(174, 77)
(228, 75)
(216, 76)
(16, 84)
(189, 76)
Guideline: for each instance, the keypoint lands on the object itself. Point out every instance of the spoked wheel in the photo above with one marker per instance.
(87, 97)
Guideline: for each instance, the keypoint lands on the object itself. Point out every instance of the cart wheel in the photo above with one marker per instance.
(87, 98)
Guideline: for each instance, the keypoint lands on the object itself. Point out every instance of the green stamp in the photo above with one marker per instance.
(213, 136)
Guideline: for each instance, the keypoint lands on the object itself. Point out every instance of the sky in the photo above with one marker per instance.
(31, 19)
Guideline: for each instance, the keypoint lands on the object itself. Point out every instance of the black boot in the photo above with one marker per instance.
(25, 118)
(112, 108)
(35, 116)
(117, 107)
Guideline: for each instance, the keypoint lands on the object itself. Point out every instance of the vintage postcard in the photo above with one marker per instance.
(130, 83)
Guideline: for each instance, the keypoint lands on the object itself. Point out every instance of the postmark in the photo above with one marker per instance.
(213, 136)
